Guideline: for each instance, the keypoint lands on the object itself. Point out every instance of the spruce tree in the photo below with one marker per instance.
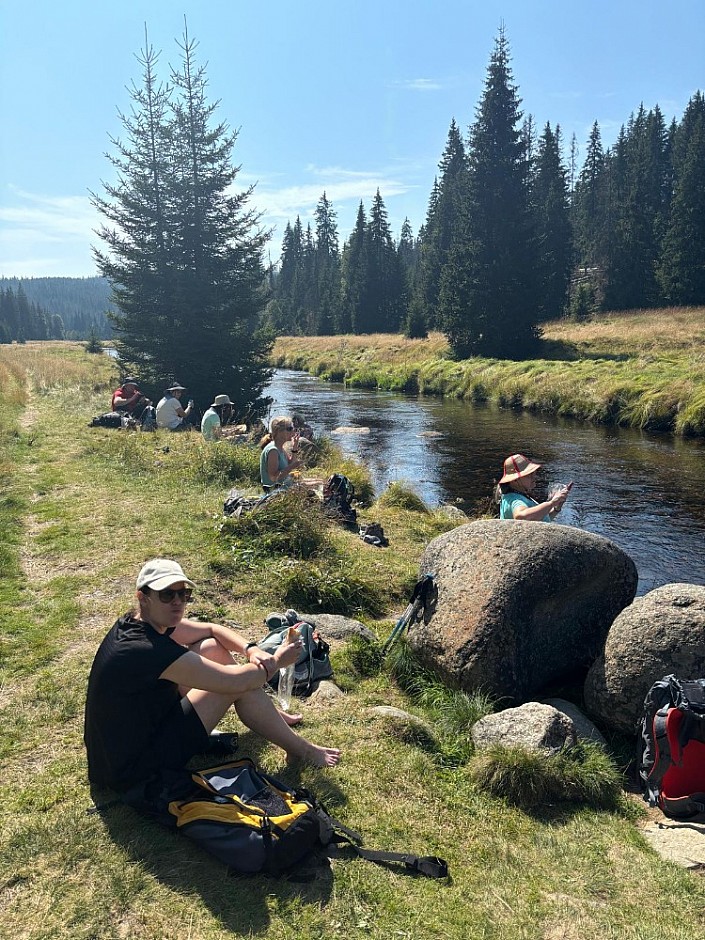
(444, 223)
(138, 259)
(589, 204)
(326, 271)
(184, 257)
(385, 287)
(681, 269)
(637, 173)
(488, 298)
(355, 278)
(551, 208)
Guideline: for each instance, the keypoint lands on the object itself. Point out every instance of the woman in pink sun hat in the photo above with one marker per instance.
(515, 490)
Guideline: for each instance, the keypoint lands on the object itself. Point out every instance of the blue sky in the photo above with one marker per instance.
(341, 97)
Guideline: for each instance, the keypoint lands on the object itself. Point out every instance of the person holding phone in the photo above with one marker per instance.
(515, 490)
(160, 683)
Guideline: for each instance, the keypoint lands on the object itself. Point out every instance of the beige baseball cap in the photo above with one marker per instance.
(160, 573)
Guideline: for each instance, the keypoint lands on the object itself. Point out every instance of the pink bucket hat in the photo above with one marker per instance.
(518, 466)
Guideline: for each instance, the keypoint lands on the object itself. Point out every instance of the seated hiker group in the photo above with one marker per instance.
(160, 682)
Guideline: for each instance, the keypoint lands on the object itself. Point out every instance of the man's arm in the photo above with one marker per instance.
(189, 632)
(195, 672)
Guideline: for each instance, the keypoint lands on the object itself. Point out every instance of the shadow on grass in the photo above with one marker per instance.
(239, 902)
(561, 350)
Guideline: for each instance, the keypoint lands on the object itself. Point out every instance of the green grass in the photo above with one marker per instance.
(83, 508)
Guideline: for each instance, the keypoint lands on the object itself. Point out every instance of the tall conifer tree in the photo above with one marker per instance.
(488, 298)
(185, 255)
(681, 270)
(553, 228)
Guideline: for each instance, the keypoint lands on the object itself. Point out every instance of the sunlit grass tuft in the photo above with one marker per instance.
(533, 780)
(399, 496)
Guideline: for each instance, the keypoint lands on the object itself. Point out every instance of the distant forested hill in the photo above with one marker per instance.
(81, 302)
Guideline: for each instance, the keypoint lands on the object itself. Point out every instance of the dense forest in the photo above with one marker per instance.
(22, 319)
(54, 308)
(514, 234)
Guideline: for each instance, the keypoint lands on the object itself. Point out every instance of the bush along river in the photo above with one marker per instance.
(642, 491)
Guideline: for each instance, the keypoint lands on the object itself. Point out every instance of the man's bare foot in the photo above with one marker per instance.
(290, 719)
(314, 754)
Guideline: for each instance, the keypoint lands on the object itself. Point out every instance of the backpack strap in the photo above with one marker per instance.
(661, 756)
(306, 631)
(431, 866)
(334, 835)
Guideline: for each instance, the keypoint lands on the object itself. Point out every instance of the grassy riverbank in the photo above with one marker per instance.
(642, 369)
(80, 509)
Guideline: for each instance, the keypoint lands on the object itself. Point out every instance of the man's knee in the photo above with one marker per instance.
(211, 649)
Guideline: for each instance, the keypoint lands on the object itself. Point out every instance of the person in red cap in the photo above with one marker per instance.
(515, 493)
(160, 683)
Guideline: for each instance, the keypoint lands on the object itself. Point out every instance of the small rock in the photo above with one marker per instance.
(388, 711)
(327, 691)
(350, 430)
(453, 512)
(333, 626)
(584, 728)
(533, 726)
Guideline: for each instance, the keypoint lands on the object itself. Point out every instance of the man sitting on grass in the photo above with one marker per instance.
(160, 684)
(128, 398)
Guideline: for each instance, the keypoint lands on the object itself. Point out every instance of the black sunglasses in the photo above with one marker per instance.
(168, 594)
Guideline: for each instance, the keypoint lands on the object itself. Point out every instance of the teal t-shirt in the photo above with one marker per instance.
(209, 424)
(283, 464)
(510, 500)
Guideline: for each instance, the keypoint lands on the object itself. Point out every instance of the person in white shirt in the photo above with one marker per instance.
(170, 414)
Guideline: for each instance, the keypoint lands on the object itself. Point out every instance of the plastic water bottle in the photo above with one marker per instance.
(286, 686)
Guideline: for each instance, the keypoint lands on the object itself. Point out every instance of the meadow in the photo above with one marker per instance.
(640, 369)
(80, 510)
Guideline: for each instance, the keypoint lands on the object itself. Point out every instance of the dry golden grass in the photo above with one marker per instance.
(53, 365)
(667, 330)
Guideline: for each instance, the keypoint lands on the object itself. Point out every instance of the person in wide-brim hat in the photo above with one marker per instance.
(170, 414)
(215, 417)
(515, 489)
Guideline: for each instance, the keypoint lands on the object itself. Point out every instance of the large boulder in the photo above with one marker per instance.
(519, 604)
(660, 633)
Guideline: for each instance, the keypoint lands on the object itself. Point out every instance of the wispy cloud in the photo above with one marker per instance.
(344, 187)
(55, 217)
(419, 84)
(40, 233)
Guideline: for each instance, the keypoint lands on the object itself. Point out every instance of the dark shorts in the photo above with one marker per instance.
(181, 736)
(159, 776)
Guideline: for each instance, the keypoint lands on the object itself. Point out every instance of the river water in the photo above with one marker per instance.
(641, 491)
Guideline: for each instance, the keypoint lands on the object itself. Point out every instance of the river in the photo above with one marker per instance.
(641, 491)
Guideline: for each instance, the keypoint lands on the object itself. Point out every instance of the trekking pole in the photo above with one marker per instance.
(419, 599)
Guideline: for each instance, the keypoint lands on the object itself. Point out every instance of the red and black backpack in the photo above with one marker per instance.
(671, 747)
